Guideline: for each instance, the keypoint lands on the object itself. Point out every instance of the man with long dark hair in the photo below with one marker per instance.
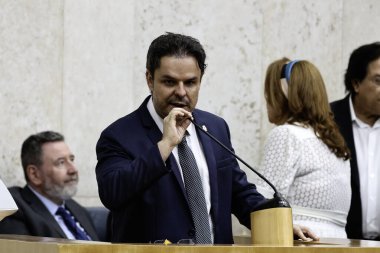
(358, 116)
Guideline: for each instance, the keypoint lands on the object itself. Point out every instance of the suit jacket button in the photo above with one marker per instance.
(192, 232)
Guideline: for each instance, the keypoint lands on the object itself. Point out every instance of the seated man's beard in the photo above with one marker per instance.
(62, 192)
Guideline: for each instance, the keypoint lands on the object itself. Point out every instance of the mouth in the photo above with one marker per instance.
(179, 104)
(72, 181)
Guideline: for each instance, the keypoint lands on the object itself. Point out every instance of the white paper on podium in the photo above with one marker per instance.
(7, 204)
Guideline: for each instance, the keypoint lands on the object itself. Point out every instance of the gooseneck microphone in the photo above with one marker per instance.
(277, 201)
(271, 220)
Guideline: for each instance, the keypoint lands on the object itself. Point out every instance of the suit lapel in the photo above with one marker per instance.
(155, 135)
(342, 116)
(346, 117)
(39, 208)
(176, 171)
(348, 134)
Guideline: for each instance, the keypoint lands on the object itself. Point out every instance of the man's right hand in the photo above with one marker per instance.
(175, 125)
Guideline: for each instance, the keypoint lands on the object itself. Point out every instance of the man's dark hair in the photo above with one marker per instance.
(358, 64)
(31, 150)
(172, 44)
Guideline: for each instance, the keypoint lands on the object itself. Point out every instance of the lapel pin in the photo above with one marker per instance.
(204, 128)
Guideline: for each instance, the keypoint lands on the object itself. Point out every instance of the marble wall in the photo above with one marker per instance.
(76, 66)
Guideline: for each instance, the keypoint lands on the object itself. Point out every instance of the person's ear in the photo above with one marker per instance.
(34, 174)
(149, 80)
(355, 85)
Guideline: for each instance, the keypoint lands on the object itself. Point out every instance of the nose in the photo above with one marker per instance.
(180, 89)
(72, 169)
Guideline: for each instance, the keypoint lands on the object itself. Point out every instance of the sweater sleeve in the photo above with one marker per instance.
(279, 159)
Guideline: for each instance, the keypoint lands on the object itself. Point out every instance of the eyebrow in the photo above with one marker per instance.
(191, 79)
(64, 157)
(173, 78)
(167, 77)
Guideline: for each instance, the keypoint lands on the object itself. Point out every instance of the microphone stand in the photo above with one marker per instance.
(271, 221)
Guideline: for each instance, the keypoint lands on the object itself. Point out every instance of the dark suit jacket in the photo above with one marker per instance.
(147, 197)
(341, 110)
(33, 218)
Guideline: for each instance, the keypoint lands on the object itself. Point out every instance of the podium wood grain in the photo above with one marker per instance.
(273, 226)
(30, 244)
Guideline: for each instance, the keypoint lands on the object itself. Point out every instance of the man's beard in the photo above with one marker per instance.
(61, 192)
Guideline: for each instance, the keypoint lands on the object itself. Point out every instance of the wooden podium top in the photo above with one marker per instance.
(28, 244)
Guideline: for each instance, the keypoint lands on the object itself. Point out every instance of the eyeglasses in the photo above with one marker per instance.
(180, 242)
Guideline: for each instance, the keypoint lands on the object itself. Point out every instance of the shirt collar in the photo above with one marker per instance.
(160, 122)
(357, 121)
(157, 119)
(50, 205)
(352, 111)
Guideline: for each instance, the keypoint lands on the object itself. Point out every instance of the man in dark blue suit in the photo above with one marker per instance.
(358, 117)
(139, 172)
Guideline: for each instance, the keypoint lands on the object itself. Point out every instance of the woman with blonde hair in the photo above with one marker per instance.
(305, 155)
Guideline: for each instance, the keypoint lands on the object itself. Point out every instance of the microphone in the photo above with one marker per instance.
(271, 221)
(277, 201)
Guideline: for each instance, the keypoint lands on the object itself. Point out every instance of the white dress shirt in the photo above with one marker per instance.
(367, 146)
(196, 148)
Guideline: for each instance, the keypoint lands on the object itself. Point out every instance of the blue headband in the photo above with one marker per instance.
(288, 69)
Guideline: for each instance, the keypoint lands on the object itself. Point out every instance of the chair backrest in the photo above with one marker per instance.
(100, 218)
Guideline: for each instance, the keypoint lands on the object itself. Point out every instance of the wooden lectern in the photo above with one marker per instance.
(272, 226)
(272, 222)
